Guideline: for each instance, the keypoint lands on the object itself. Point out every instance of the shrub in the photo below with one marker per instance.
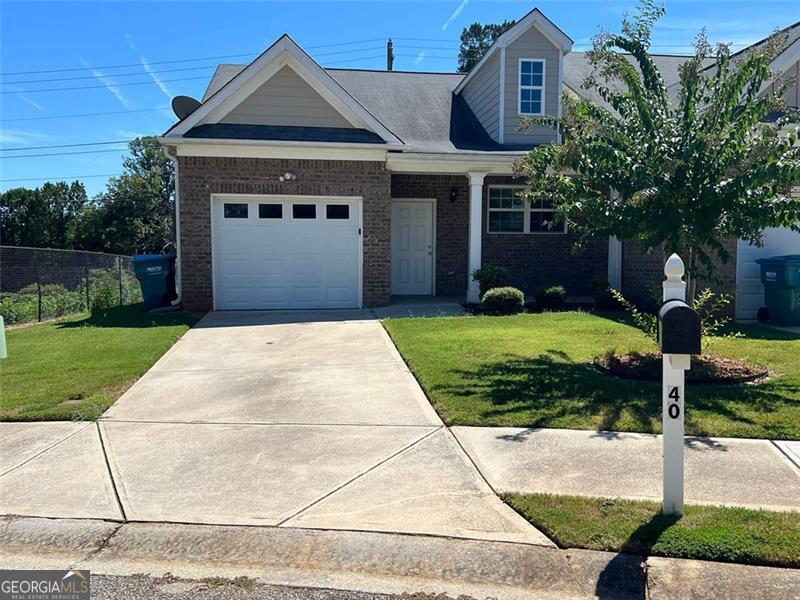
(104, 298)
(489, 277)
(503, 301)
(603, 294)
(551, 298)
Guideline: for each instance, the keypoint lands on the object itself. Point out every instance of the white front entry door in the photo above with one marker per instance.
(412, 247)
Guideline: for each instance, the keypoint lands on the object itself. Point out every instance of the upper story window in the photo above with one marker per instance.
(531, 86)
(508, 213)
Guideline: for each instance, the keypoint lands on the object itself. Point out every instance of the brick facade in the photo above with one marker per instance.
(200, 177)
(452, 222)
(535, 261)
(642, 273)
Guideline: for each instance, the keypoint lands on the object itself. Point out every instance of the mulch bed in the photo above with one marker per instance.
(706, 368)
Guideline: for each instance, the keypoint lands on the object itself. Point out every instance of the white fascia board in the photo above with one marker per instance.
(535, 18)
(282, 53)
(281, 150)
(421, 162)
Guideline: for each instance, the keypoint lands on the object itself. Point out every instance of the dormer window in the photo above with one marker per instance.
(531, 87)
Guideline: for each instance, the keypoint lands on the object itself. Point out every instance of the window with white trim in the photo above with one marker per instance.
(531, 87)
(509, 213)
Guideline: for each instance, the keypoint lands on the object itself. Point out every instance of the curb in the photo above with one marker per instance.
(376, 562)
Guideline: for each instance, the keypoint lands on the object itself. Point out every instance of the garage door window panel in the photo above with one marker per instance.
(235, 210)
(304, 211)
(337, 211)
(270, 211)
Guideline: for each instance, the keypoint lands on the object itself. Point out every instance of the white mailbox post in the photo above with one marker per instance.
(679, 337)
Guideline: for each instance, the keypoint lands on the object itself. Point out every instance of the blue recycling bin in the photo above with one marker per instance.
(156, 275)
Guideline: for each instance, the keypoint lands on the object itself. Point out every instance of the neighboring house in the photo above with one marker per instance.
(305, 187)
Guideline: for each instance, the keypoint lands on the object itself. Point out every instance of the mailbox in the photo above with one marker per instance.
(678, 328)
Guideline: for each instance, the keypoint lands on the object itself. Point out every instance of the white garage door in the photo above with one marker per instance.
(749, 290)
(286, 252)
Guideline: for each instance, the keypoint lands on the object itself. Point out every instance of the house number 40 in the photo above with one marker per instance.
(674, 410)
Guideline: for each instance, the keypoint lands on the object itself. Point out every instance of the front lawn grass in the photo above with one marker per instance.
(534, 370)
(76, 368)
(704, 532)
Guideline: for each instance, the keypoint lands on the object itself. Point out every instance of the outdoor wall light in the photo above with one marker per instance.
(453, 194)
(288, 176)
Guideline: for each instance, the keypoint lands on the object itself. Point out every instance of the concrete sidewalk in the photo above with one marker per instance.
(723, 471)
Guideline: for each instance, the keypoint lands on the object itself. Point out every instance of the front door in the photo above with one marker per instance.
(412, 247)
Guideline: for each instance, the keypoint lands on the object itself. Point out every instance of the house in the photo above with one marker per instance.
(305, 187)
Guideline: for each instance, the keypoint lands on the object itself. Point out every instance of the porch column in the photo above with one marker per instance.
(475, 230)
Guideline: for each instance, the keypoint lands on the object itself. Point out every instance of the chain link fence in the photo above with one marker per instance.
(38, 284)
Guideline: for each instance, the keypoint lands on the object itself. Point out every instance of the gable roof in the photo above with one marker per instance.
(284, 52)
(534, 18)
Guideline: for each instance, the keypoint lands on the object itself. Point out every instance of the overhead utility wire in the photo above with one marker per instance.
(178, 60)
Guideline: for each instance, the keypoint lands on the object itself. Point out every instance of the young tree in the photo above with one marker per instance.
(476, 40)
(679, 169)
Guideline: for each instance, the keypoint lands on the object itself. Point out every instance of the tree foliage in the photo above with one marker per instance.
(43, 217)
(679, 168)
(133, 215)
(476, 40)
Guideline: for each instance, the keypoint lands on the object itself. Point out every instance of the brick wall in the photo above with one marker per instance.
(642, 272)
(535, 261)
(200, 177)
(452, 220)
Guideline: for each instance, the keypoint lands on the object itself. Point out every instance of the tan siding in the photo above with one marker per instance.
(482, 94)
(286, 99)
(531, 44)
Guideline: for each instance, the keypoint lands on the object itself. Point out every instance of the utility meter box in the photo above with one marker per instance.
(678, 328)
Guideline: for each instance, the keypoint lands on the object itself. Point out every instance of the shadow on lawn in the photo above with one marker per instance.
(133, 316)
(551, 388)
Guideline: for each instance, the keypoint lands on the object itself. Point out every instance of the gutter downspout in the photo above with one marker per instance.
(174, 158)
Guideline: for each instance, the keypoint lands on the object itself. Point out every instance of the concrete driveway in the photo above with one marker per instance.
(292, 419)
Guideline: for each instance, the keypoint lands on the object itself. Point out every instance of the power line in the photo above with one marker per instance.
(114, 75)
(94, 114)
(57, 178)
(91, 87)
(139, 64)
(178, 60)
(65, 145)
(63, 153)
(146, 73)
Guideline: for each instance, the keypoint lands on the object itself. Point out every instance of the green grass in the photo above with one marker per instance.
(704, 532)
(534, 370)
(76, 368)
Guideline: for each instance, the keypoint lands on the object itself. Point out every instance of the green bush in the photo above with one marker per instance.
(503, 301)
(489, 277)
(552, 298)
(57, 301)
(19, 308)
(603, 294)
(105, 298)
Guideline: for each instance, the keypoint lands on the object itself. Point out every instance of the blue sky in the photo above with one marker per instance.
(92, 38)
